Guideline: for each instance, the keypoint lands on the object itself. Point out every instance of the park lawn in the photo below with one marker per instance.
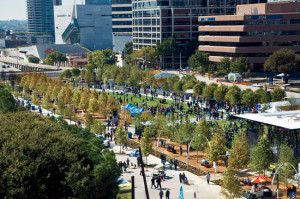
(154, 102)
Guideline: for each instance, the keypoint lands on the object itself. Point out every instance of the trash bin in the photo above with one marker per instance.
(129, 135)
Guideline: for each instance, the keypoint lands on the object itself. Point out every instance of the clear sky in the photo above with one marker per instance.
(16, 9)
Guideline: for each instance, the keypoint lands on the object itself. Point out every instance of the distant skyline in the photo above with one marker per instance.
(16, 9)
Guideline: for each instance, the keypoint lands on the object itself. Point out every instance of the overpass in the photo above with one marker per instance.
(30, 67)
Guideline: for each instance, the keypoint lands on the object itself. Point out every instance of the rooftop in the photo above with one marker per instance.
(285, 119)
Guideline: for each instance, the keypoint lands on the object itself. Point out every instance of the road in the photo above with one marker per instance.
(198, 184)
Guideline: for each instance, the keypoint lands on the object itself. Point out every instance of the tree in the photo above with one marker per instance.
(224, 65)
(287, 160)
(113, 105)
(128, 50)
(178, 86)
(121, 137)
(217, 148)
(7, 101)
(34, 59)
(249, 97)
(220, 92)
(55, 58)
(278, 94)
(36, 99)
(233, 95)
(198, 88)
(51, 159)
(84, 99)
(262, 95)
(282, 61)
(98, 128)
(146, 143)
(47, 103)
(165, 86)
(199, 60)
(75, 72)
(230, 186)
(103, 104)
(240, 152)
(93, 105)
(154, 85)
(201, 137)
(76, 97)
(208, 91)
(261, 155)
(167, 47)
(88, 121)
(240, 65)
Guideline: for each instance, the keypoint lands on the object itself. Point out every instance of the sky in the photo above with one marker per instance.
(16, 9)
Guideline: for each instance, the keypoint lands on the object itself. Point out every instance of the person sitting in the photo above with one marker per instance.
(185, 180)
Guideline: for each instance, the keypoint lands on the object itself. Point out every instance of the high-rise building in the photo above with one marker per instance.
(156, 20)
(121, 23)
(40, 15)
(87, 25)
(255, 32)
(97, 2)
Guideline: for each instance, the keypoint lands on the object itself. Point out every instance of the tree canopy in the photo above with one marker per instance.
(283, 61)
(200, 61)
(50, 159)
(7, 101)
(55, 58)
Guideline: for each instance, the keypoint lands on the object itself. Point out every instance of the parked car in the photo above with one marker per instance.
(134, 153)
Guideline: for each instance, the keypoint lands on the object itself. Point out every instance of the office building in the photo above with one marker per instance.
(121, 23)
(40, 16)
(87, 25)
(156, 20)
(256, 31)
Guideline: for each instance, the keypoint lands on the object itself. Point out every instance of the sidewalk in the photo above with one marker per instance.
(196, 184)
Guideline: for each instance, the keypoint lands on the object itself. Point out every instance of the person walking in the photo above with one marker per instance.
(294, 191)
(180, 177)
(153, 183)
(168, 194)
(128, 161)
(158, 182)
(175, 164)
(161, 194)
(208, 177)
(180, 151)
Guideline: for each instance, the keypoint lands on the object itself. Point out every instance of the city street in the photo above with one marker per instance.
(196, 184)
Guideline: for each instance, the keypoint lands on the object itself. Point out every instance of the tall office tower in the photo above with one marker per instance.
(87, 25)
(40, 15)
(156, 20)
(121, 23)
(97, 2)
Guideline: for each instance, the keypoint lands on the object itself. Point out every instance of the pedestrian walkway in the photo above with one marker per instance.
(196, 185)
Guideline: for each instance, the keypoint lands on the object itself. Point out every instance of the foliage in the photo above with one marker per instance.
(98, 127)
(217, 148)
(128, 49)
(84, 99)
(93, 105)
(55, 58)
(75, 72)
(230, 186)
(286, 158)
(137, 55)
(208, 91)
(224, 65)
(50, 159)
(240, 152)
(283, 61)
(121, 137)
(103, 104)
(89, 121)
(233, 95)
(200, 61)
(34, 59)
(262, 96)
(7, 101)
(36, 99)
(278, 94)
(198, 88)
(249, 97)
(261, 155)
(146, 142)
(240, 65)
(167, 47)
(220, 92)
(202, 136)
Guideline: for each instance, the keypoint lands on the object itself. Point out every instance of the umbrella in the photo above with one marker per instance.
(259, 179)
(204, 161)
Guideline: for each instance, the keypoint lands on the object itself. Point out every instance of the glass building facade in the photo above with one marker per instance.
(156, 20)
(40, 16)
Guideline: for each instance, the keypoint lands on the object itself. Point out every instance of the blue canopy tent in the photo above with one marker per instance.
(133, 109)
(163, 75)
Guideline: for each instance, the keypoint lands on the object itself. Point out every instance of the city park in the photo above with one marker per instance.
(207, 128)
